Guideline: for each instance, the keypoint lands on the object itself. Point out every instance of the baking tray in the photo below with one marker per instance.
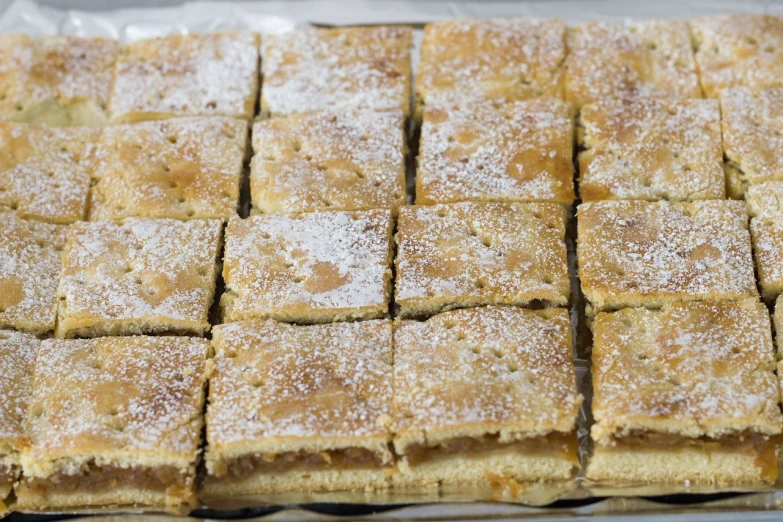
(570, 500)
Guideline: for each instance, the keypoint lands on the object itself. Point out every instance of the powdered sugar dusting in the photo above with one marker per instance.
(520, 151)
(352, 160)
(180, 75)
(309, 70)
(739, 49)
(183, 168)
(276, 264)
(17, 355)
(273, 380)
(94, 397)
(753, 133)
(492, 59)
(608, 60)
(45, 171)
(503, 366)
(652, 253)
(694, 369)
(158, 270)
(651, 149)
(488, 252)
(29, 269)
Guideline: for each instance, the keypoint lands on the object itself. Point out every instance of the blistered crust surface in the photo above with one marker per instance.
(739, 49)
(633, 253)
(481, 371)
(312, 267)
(128, 400)
(352, 160)
(310, 70)
(45, 171)
(492, 59)
(692, 369)
(519, 151)
(651, 149)
(159, 273)
(611, 60)
(752, 137)
(57, 80)
(30, 266)
(183, 168)
(465, 254)
(17, 355)
(282, 387)
(187, 75)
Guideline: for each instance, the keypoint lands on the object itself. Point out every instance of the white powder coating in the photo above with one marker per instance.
(651, 149)
(30, 266)
(500, 59)
(17, 355)
(634, 252)
(694, 369)
(487, 253)
(117, 400)
(753, 133)
(485, 370)
(739, 49)
(139, 269)
(765, 204)
(520, 151)
(278, 264)
(180, 75)
(649, 59)
(45, 171)
(309, 70)
(765, 201)
(350, 160)
(274, 382)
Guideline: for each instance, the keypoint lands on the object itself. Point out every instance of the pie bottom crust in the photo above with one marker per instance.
(109, 486)
(752, 459)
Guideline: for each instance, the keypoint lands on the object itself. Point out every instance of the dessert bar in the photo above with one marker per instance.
(765, 204)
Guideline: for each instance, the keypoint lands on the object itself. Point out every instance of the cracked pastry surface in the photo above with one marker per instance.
(308, 268)
(352, 68)
(651, 149)
(299, 407)
(351, 160)
(765, 205)
(520, 151)
(138, 276)
(648, 59)
(638, 253)
(476, 253)
(187, 75)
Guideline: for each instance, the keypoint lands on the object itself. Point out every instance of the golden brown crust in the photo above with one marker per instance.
(308, 268)
(310, 70)
(476, 253)
(45, 171)
(280, 388)
(137, 276)
(752, 137)
(651, 149)
(187, 75)
(521, 151)
(351, 160)
(494, 370)
(56, 80)
(497, 59)
(128, 401)
(638, 253)
(740, 49)
(30, 266)
(611, 60)
(17, 356)
(182, 168)
(691, 369)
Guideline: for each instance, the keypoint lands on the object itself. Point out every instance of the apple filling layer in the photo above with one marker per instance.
(554, 445)
(8, 475)
(348, 458)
